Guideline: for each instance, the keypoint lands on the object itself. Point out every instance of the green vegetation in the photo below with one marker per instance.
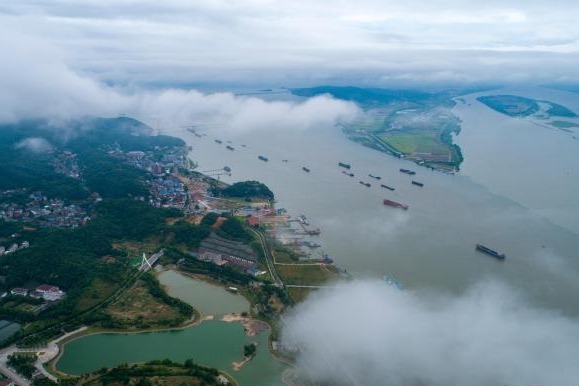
(516, 106)
(557, 110)
(23, 364)
(249, 350)
(405, 123)
(146, 305)
(154, 373)
(564, 124)
(247, 190)
(511, 105)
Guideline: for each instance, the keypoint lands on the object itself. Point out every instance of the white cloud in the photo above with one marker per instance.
(285, 42)
(367, 333)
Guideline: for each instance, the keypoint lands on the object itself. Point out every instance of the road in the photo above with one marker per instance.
(45, 355)
(268, 259)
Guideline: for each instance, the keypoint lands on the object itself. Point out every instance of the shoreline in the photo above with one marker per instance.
(251, 326)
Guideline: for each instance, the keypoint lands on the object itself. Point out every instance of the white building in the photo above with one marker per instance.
(50, 292)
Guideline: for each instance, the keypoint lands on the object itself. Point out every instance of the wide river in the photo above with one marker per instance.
(516, 193)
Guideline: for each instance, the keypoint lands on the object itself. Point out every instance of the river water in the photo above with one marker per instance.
(516, 194)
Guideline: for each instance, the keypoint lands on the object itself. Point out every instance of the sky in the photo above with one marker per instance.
(219, 43)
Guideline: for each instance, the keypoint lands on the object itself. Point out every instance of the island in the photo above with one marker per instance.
(415, 125)
(542, 112)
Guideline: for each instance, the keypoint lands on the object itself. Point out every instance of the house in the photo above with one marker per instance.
(253, 221)
(13, 248)
(220, 379)
(35, 295)
(19, 291)
(50, 292)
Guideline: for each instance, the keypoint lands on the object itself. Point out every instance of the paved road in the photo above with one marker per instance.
(268, 259)
(4, 354)
(45, 355)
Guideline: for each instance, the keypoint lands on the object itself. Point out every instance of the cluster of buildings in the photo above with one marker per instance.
(13, 248)
(220, 251)
(45, 212)
(47, 292)
(170, 160)
(168, 192)
(67, 164)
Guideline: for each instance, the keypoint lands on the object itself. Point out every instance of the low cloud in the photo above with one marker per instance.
(35, 145)
(36, 82)
(368, 333)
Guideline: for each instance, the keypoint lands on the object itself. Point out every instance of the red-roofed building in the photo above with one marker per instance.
(50, 292)
(7, 382)
(253, 221)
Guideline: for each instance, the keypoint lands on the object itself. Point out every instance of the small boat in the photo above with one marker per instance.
(229, 148)
(284, 160)
(408, 171)
(262, 158)
(344, 165)
(348, 174)
(218, 141)
(227, 169)
(417, 183)
(305, 169)
(374, 177)
(365, 184)
(387, 187)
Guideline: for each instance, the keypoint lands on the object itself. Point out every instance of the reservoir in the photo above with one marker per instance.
(431, 246)
(207, 298)
(212, 343)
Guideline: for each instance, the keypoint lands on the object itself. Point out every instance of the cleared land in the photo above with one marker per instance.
(138, 305)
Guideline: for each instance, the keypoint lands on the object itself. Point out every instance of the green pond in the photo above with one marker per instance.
(206, 298)
(213, 343)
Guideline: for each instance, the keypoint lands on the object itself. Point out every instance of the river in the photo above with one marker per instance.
(502, 198)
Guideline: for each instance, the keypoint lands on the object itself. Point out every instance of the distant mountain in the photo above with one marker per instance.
(366, 96)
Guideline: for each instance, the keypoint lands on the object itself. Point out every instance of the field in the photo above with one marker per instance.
(137, 304)
(409, 143)
(300, 274)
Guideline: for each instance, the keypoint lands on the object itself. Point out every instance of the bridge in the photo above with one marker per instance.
(147, 264)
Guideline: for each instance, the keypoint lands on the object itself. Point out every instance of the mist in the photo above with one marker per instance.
(37, 83)
(369, 333)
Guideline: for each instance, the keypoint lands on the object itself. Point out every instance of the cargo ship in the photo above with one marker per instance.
(488, 251)
(219, 141)
(374, 177)
(365, 184)
(344, 165)
(348, 174)
(262, 158)
(229, 147)
(387, 187)
(417, 183)
(395, 204)
(408, 171)
(305, 169)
